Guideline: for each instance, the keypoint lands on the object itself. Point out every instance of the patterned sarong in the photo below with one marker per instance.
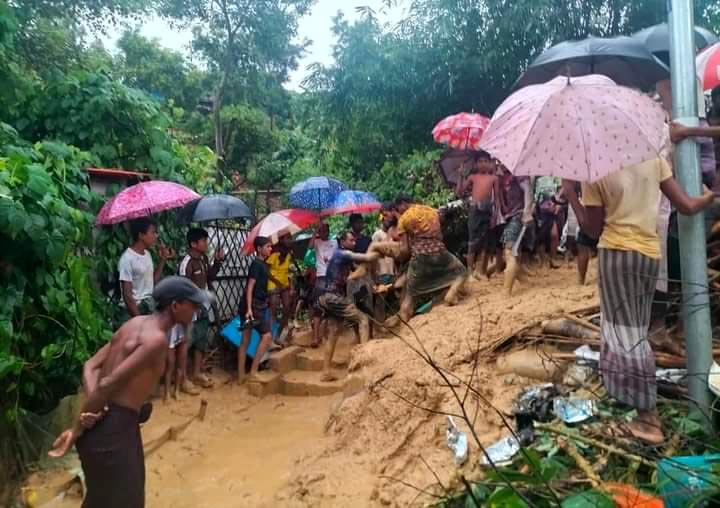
(627, 362)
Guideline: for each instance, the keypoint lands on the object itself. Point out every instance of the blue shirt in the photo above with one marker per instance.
(338, 269)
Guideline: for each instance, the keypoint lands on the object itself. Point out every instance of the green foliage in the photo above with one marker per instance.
(144, 64)
(415, 175)
(51, 316)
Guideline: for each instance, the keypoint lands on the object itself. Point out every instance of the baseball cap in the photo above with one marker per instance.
(175, 288)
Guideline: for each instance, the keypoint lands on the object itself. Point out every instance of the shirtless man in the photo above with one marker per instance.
(118, 380)
(484, 186)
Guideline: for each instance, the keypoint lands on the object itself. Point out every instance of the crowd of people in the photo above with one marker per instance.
(358, 280)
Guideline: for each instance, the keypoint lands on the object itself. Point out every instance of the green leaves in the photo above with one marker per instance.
(588, 499)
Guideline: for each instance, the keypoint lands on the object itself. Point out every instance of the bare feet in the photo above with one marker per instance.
(328, 377)
(648, 432)
(186, 387)
(241, 379)
(203, 381)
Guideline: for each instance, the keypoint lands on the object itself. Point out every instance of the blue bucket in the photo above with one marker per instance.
(233, 334)
(681, 480)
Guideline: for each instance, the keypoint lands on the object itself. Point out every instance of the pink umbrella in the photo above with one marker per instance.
(280, 223)
(462, 131)
(143, 199)
(708, 66)
(576, 128)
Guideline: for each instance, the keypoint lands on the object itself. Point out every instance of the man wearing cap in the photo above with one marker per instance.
(118, 380)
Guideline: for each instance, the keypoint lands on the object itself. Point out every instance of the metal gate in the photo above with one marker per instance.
(231, 280)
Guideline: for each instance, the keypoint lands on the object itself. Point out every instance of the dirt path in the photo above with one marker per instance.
(330, 451)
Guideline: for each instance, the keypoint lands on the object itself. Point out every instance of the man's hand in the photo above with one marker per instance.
(249, 316)
(527, 218)
(63, 443)
(165, 253)
(678, 132)
(220, 254)
(89, 420)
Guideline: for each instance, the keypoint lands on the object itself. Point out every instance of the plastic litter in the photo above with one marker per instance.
(686, 481)
(457, 442)
(573, 410)
(502, 452)
(587, 355)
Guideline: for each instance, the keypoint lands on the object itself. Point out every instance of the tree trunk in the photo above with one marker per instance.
(219, 138)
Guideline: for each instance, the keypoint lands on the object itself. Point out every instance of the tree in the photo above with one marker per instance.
(160, 72)
(245, 40)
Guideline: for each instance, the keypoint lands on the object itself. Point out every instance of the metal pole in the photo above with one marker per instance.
(696, 303)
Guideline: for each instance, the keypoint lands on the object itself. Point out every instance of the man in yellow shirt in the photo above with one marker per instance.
(621, 209)
(279, 283)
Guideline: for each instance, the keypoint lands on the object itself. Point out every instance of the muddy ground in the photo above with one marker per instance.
(369, 449)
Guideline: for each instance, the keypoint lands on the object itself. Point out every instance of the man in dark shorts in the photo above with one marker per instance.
(118, 380)
(334, 301)
(256, 304)
(586, 244)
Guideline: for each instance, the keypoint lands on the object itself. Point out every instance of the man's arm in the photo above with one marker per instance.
(568, 190)
(127, 293)
(249, 297)
(144, 355)
(679, 132)
(529, 201)
(92, 368)
(594, 221)
(685, 204)
(363, 258)
(462, 186)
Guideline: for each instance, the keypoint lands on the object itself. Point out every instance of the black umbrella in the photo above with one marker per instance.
(657, 39)
(451, 163)
(214, 207)
(625, 60)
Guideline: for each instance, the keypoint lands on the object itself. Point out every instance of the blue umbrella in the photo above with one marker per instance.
(315, 193)
(352, 201)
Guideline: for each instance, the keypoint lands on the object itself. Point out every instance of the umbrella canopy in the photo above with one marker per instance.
(657, 39)
(623, 59)
(708, 66)
(214, 207)
(280, 223)
(576, 128)
(462, 131)
(451, 163)
(352, 201)
(143, 199)
(315, 193)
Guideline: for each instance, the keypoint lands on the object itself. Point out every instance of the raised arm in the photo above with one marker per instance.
(679, 132)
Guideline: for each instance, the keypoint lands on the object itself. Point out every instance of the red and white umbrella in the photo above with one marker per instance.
(278, 224)
(143, 199)
(708, 66)
(462, 131)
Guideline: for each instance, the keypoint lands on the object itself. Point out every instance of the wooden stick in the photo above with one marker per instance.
(583, 464)
(582, 322)
(174, 431)
(594, 442)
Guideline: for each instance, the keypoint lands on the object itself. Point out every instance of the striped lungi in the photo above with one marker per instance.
(627, 362)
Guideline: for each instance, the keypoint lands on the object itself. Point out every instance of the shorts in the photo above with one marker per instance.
(340, 307)
(385, 279)
(146, 307)
(586, 241)
(478, 228)
(512, 230)
(261, 313)
(317, 292)
(177, 336)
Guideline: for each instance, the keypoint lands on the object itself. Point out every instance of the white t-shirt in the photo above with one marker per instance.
(324, 249)
(139, 270)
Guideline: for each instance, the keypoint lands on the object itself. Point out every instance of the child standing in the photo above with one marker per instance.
(255, 307)
(196, 266)
(280, 285)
